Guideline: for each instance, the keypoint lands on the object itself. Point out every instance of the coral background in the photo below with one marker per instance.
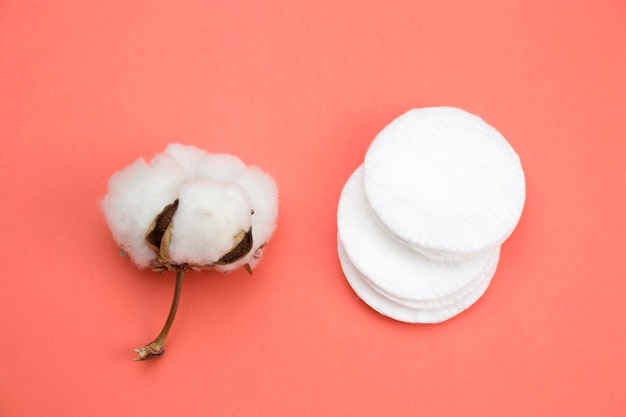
(300, 89)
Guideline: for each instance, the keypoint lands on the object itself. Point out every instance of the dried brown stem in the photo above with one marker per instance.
(157, 346)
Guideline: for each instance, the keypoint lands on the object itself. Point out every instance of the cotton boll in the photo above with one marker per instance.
(215, 196)
(190, 210)
(136, 195)
(209, 217)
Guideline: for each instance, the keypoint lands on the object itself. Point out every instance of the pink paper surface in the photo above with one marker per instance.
(300, 89)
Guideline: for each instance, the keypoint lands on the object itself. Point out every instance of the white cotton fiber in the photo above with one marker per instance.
(216, 194)
(257, 186)
(444, 182)
(209, 215)
(200, 165)
(136, 195)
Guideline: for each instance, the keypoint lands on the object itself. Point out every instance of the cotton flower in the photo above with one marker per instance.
(190, 210)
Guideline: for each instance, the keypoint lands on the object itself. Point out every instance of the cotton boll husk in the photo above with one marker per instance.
(136, 195)
(209, 215)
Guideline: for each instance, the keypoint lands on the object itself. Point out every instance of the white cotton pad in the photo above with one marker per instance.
(444, 182)
(394, 269)
(453, 298)
(396, 311)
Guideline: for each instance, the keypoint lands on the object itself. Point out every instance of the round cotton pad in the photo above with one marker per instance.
(451, 299)
(444, 182)
(389, 308)
(393, 268)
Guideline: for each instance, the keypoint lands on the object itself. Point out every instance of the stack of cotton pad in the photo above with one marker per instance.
(421, 222)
